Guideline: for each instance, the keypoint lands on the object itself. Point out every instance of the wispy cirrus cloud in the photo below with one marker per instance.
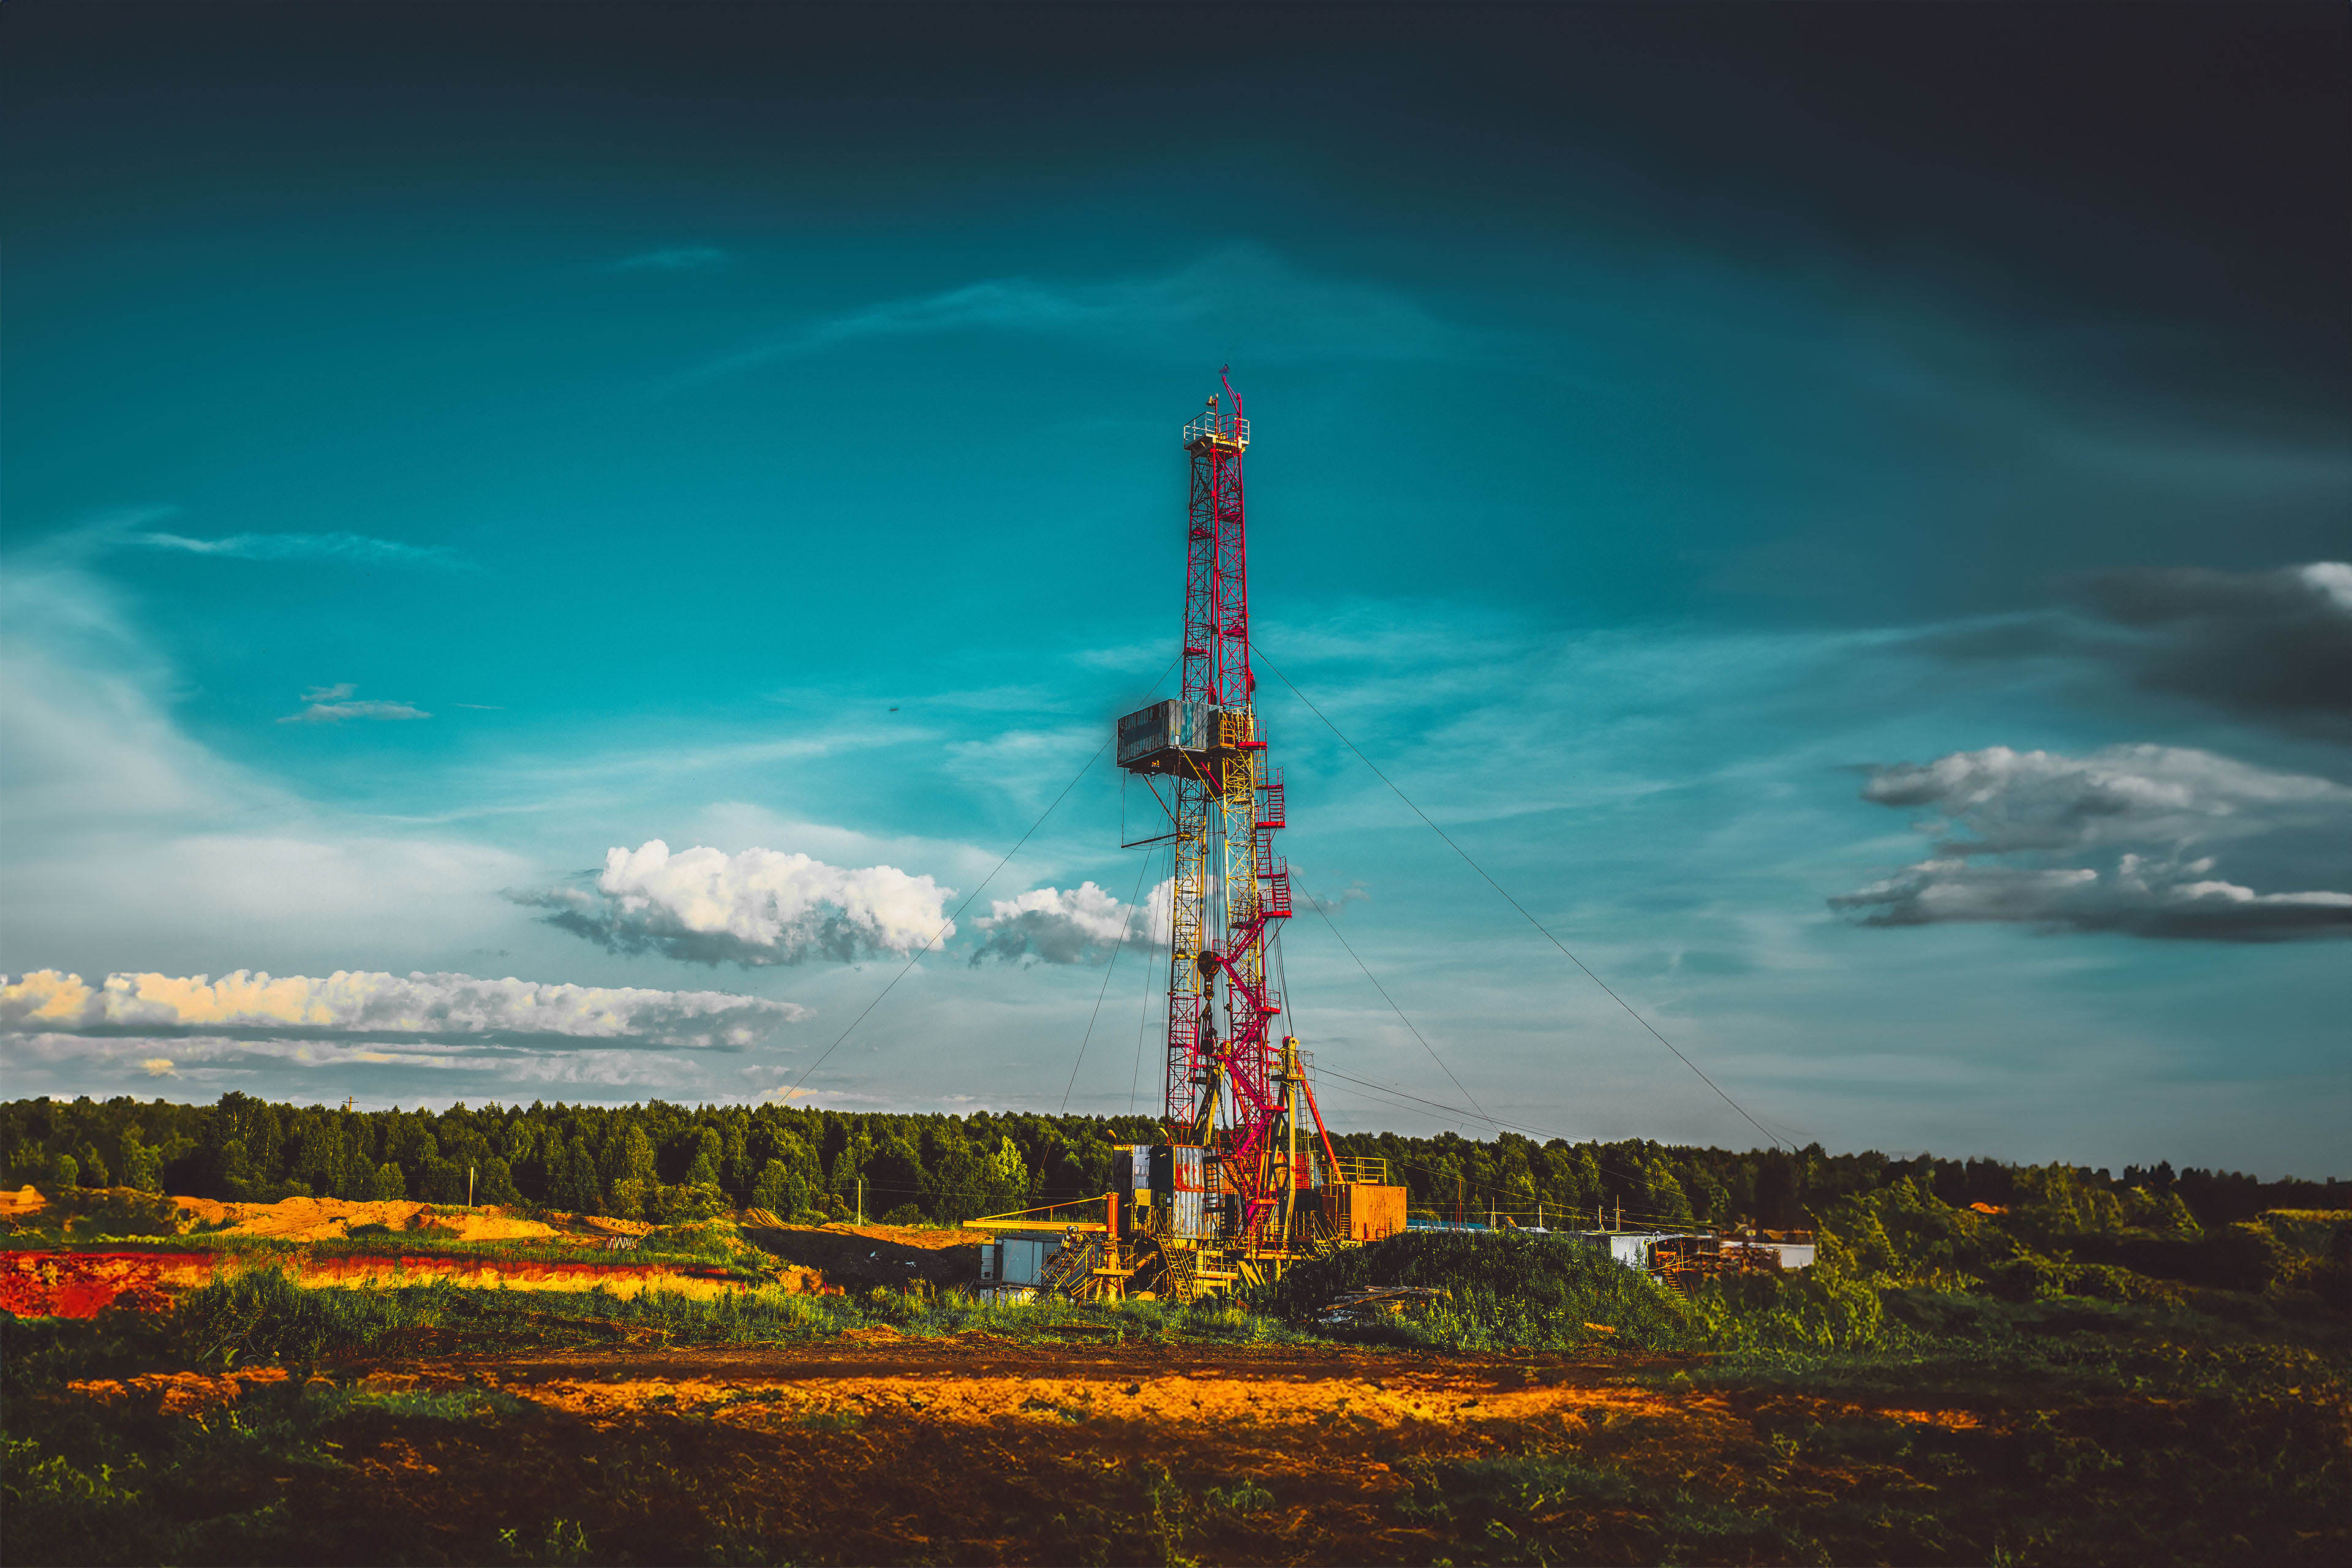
(1247, 293)
(334, 704)
(133, 528)
(672, 259)
(358, 548)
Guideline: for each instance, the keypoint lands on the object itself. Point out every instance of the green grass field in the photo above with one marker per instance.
(1938, 1391)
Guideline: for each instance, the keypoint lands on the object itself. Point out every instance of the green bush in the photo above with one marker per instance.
(1504, 1290)
(1822, 1308)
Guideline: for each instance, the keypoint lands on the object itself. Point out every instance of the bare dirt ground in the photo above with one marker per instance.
(873, 1448)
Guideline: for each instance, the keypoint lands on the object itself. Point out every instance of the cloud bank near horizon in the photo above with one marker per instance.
(359, 1005)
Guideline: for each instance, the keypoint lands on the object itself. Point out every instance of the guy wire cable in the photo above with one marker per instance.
(1515, 904)
(1334, 928)
(1143, 1014)
(1108, 970)
(1400, 1096)
(917, 956)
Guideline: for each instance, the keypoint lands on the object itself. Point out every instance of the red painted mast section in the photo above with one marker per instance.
(1232, 803)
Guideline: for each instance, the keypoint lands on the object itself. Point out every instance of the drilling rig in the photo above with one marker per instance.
(1241, 1187)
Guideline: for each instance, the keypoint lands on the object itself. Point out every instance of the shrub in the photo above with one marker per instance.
(1504, 1291)
(1822, 1308)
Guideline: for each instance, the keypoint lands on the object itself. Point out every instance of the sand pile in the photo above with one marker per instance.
(324, 1219)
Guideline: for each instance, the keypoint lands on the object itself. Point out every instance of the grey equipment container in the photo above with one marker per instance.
(1156, 739)
(1130, 1183)
(1180, 1178)
(1016, 1260)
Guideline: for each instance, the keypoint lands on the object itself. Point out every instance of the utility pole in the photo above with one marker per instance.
(1620, 1215)
(861, 1200)
(470, 1186)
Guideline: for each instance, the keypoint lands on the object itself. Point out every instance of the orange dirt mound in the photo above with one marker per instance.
(322, 1219)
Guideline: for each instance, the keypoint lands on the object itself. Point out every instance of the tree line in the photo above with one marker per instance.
(670, 1163)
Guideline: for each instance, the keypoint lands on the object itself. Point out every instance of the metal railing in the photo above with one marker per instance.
(1226, 428)
(1371, 1173)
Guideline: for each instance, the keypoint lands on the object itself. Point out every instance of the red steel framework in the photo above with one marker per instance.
(1229, 886)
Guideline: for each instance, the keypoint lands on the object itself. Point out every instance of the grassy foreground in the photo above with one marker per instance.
(1940, 1389)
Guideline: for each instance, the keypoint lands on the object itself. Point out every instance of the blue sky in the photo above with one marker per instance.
(1707, 466)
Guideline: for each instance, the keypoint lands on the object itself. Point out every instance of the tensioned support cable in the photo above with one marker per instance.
(946, 925)
(1629, 1010)
(1108, 970)
(1333, 926)
(1143, 1017)
(1401, 1096)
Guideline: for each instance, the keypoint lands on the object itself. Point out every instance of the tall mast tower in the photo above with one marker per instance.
(1229, 1072)
(1241, 1189)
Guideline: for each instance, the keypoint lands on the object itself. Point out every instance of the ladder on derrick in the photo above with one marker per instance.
(1069, 1271)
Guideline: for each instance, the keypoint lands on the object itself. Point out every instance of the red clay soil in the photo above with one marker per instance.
(37, 1284)
(84, 1283)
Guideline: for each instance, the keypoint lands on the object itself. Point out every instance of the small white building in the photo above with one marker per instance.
(1634, 1247)
(1638, 1248)
(1010, 1268)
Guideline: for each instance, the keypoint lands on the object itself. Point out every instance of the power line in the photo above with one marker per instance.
(1515, 904)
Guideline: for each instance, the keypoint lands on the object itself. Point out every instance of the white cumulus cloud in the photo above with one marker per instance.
(2013, 829)
(348, 1004)
(333, 704)
(761, 907)
(1055, 925)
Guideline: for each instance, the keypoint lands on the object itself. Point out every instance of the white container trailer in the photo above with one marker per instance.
(1015, 1263)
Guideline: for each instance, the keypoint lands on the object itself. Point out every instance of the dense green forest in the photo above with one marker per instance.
(669, 1163)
